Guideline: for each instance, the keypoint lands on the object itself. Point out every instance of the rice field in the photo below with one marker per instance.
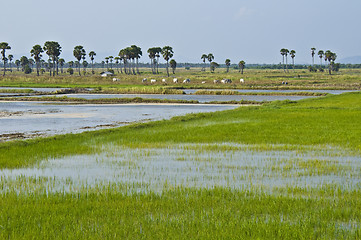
(285, 170)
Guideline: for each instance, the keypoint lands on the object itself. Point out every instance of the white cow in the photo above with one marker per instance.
(144, 80)
(116, 79)
(175, 80)
(203, 82)
(164, 80)
(241, 80)
(215, 81)
(186, 80)
(153, 81)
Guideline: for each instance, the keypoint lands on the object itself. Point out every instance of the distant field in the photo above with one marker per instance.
(300, 79)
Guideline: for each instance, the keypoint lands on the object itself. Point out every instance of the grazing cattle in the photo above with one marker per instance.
(203, 82)
(186, 80)
(153, 81)
(224, 81)
(285, 83)
(164, 80)
(241, 80)
(175, 80)
(144, 80)
(215, 81)
(116, 79)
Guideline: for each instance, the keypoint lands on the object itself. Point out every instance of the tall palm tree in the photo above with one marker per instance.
(4, 46)
(173, 65)
(17, 63)
(36, 54)
(210, 58)
(122, 54)
(71, 64)
(151, 54)
(158, 51)
(91, 55)
(241, 65)
(167, 53)
(111, 61)
(204, 57)
(10, 57)
(53, 50)
(284, 53)
(293, 55)
(228, 63)
(78, 53)
(313, 55)
(320, 54)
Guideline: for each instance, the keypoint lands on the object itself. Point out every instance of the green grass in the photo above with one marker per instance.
(116, 212)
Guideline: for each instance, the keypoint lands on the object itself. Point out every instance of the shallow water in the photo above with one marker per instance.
(190, 166)
(200, 98)
(49, 119)
(336, 92)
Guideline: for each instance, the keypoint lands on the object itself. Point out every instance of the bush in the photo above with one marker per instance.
(70, 71)
(27, 69)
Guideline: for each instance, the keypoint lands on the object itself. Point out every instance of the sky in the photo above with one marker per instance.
(249, 30)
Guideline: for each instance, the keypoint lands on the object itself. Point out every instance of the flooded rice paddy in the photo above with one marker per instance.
(192, 165)
(29, 119)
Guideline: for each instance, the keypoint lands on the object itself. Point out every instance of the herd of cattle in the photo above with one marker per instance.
(175, 80)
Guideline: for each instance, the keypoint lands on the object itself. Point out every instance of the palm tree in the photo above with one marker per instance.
(36, 54)
(167, 53)
(241, 65)
(320, 54)
(117, 61)
(284, 53)
(78, 53)
(122, 54)
(151, 54)
(214, 65)
(137, 53)
(91, 55)
(53, 50)
(210, 58)
(17, 63)
(313, 55)
(330, 57)
(204, 57)
(111, 61)
(85, 65)
(10, 57)
(293, 55)
(158, 51)
(228, 63)
(173, 65)
(61, 63)
(107, 61)
(23, 62)
(4, 46)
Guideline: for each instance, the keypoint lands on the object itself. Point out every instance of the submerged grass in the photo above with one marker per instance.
(233, 92)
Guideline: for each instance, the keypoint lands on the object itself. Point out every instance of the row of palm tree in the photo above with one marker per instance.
(284, 52)
(327, 56)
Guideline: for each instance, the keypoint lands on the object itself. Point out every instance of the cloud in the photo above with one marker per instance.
(242, 12)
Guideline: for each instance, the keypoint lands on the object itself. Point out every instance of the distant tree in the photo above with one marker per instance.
(4, 46)
(151, 54)
(107, 61)
(173, 65)
(71, 64)
(102, 63)
(91, 55)
(284, 53)
(10, 57)
(24, 61)
(78, 53)
(204, 58)
(320, 54)
(123, 56)
(53, 50)
(17, 63)
(70, 71)
(61, 63)
(137, 53)
(214, 65)
(158, 51)
(228, 63)
(293, 55)
(167, 53)
(241, 65)
(36, 54)
(331, 58)
(85, 65)
(31, 63)
(111, 61)
(313, 55)
(117, 63)
(210, 58)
